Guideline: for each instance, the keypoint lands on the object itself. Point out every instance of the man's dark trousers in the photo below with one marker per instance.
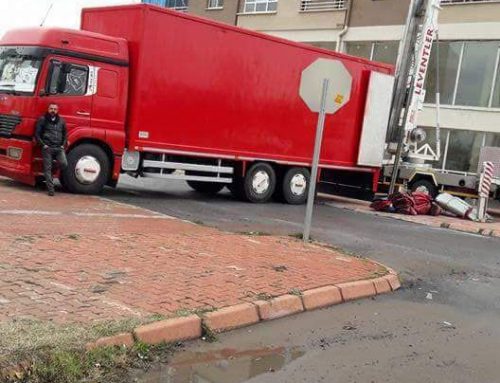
(50, 154)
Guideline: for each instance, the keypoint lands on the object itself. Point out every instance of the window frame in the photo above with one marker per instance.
(496, 73)
(70, 65)
(182, 8)
(372, 47)
(255, 2)
(456, 80)
(217, 5)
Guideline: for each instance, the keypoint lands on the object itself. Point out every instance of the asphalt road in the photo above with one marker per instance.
(442, 326)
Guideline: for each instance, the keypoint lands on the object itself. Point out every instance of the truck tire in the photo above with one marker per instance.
(259, 183)
(424, 186)
(88, 170)
(209, 188)
(295, 185)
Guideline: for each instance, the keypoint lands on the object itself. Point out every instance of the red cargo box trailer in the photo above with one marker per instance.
(216, 105)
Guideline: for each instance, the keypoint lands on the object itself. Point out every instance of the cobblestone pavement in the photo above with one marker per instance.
(76, 258)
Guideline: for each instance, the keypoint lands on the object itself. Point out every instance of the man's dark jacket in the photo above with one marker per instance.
(51, 131)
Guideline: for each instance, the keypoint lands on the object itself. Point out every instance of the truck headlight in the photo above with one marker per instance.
(131, 161)
(15, 153)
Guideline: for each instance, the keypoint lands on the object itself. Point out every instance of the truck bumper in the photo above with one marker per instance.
(21, 168)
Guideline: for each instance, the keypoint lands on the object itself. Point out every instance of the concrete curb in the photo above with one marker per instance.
(245, 314)
(231, 317)
(170, 330)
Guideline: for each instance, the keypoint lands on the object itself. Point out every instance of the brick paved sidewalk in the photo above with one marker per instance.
(491, 229)
(82, 258)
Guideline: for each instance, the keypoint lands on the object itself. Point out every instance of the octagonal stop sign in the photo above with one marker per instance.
(339, 90)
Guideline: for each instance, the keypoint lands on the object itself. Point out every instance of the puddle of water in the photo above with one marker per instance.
(221, 366)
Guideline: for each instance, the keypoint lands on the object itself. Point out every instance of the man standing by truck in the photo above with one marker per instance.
(51, 135)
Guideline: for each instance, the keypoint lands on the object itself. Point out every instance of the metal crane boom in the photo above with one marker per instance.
(413, 63)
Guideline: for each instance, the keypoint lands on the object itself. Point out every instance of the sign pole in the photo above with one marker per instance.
(315, 163)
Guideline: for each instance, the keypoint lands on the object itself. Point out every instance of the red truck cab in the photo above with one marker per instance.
(86, 74)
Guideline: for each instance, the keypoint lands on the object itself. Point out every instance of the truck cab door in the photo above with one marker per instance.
(69, 84)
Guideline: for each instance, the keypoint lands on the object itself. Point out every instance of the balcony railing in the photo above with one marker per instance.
(322, 5)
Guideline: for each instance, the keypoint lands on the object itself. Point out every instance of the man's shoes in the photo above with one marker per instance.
(51, 193)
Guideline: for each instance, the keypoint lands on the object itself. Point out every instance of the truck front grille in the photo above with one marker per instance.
(8, 123)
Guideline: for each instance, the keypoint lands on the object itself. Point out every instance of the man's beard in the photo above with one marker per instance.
(52, 116)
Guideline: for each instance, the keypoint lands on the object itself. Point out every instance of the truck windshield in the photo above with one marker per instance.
(18, 73)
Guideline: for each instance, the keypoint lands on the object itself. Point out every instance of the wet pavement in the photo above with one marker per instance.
(441, 327)
(219, 366)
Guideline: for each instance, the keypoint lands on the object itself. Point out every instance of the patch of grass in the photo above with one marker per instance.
(340, 250)
(196, 311)
(301, 237)
(108, 328)
(198, 222)
(156, 317)
(380, 272)
(142, 350)
(26, 238)
(21, 339)
(295, 291)
(207, 334)
(104, 364)
(59, 367)
(263, 296)
(255, 233)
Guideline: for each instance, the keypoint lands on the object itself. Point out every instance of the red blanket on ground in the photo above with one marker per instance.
(416, 203)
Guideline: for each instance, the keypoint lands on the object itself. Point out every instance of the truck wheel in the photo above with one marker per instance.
(425, 186)
(295, 186)
(210, 188)
(88, 170)
(259, 183)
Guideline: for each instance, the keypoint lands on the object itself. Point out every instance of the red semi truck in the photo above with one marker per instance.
(156, 93)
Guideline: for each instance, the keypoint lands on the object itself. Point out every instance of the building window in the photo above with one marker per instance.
(360, 49)
(385, 52)
(215, 4)
(258, 6)
(431, 140)
(476, 74)
(468, 72)
(495, 99)
(178, 5)
(460, 149)
(331, 45)
(382, 51)
(160, 3)
(492, 139)
(322, 5)
(449, 58)
(463, 150)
